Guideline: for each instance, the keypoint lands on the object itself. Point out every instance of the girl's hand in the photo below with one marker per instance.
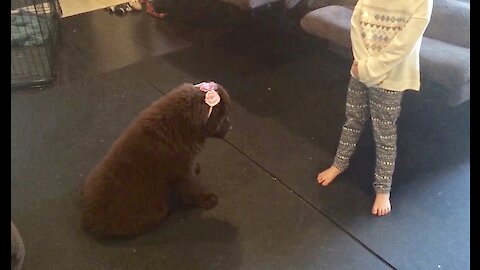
(354, 69)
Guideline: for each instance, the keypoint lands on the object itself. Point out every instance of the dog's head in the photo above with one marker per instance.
(202, 109)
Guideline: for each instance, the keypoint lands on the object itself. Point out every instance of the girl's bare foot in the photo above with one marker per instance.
(381, 206)
(324, 178)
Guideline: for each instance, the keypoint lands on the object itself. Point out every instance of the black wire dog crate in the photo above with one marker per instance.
(34, 30)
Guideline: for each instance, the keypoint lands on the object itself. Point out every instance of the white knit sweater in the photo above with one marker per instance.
(386, 37)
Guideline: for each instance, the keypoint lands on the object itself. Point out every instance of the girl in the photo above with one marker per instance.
(386, 36)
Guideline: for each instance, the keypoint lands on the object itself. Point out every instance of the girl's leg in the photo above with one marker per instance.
(356, 111)
(385, 109)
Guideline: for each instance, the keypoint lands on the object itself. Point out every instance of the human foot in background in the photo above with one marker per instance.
(136, 5)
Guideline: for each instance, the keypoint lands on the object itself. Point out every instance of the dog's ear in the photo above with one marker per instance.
(218, 123)
(201, 110)
(216, 118)
(210, 121)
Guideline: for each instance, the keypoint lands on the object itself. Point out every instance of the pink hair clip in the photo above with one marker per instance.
(211, 96)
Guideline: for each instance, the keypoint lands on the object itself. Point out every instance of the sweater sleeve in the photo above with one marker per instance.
(358, 45)
(374, 69)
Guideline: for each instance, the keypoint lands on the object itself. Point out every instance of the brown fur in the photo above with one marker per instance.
(127, 192)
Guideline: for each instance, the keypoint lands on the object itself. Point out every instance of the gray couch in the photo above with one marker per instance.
(445, 51)
(252, 4)
(249, 4)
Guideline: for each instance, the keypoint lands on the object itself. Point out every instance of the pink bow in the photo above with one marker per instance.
(207, 86)
(211, 96)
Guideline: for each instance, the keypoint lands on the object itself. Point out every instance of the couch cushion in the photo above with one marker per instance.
(315, 4)
(331, 23)
(444, 63)
(291, 3)
(450, 22)
(249, 4)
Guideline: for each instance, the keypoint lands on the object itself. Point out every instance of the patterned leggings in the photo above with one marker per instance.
(383, 106)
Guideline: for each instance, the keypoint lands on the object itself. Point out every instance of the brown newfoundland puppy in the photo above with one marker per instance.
(127, 192)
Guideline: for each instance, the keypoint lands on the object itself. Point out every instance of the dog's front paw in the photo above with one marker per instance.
(207, 200)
